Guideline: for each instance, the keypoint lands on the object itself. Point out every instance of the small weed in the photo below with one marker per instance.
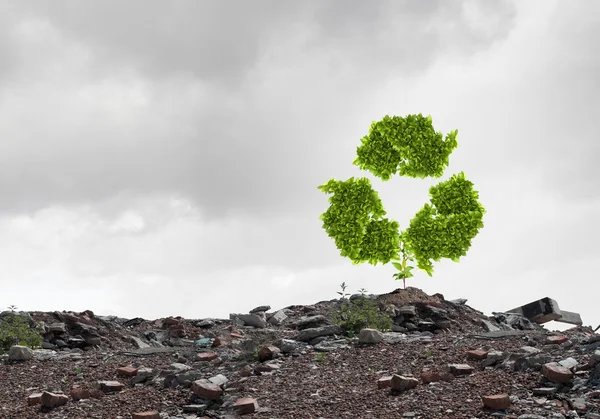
(320, 357)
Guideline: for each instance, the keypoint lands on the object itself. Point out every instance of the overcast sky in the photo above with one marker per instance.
(163, 158)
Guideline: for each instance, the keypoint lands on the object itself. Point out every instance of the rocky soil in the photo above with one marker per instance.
(443, 359)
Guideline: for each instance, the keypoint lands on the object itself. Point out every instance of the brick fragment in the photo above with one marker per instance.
(246, 405)
(496, 401)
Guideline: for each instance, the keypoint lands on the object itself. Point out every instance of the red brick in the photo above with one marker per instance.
(556, 373)
(384, 382)
(401, 383)
(127, 371)
(146, 415)
(496, 401)
(556, 340)
(33, 399)
(268, 352)
(477, 354)
(206, 356)
(78, 393)
(206, 390)
(246, 405)
(236, 335)
(430, 377)
(53, 400)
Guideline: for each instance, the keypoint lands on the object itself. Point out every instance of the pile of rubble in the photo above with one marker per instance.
(442, 359)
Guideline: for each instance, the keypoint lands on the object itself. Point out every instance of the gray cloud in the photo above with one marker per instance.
(227, 108)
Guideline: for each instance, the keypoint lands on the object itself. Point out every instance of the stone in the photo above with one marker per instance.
(204, 323)
(260, 309)
(477, 354)
(206, 356)
(51, 400)
(109, 386)
(57, 328)
(34, 399)
(430, 377)
(19, 353)
(544, 391)
(534, 362)
(80, 393)
(253, 320)
(578, 404)
(402, 383)
(556, 373)
(128, 371)
(278, 318)
(489, 326)
(153, 414)
(143, 374)
(392, 338)
(459, 301)
(267, 353)
(309, 321)
(267, 367)
(459, 369)
(497, 401)
(219, 380)
(556, 340)
(289, 346)
(407, 310)
(311, 333)
(370, 336)
(492, 358)
(245, 405)
(384, 382)
(206, 390)
(569, 363)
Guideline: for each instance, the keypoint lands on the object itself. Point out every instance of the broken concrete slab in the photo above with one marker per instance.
(570, 318)
(545, 310)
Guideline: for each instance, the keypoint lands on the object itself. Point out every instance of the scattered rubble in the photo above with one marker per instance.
(442, 359)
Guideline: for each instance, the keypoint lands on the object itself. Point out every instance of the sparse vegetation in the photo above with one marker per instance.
(360, 313)
(15, 330)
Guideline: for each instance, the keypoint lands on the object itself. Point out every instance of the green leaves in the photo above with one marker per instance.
(409, 146)
(355, 221)
(443, 228)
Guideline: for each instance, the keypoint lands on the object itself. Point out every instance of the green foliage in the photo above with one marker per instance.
(320, 357)
(355, 221)
(15, 330)
(409, 146)
(352, 316)
(444, 228)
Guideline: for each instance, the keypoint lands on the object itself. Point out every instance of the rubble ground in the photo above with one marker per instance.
(442, 359)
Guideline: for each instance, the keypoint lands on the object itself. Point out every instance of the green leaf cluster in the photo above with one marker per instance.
(355, 315)
(15, 330)
(355, 221)
(409, 146)
(445, 227)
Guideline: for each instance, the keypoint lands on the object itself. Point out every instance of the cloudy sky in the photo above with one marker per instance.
(163, 158)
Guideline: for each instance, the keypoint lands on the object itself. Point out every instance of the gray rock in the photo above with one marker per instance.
(331, 345)
(493, 358)
(311, 333)
(205, 323)
(568, 363)
(391, 338)
(143, 374)
(57, 328)
(278, 318)
(219, 380)
(534, 362)
(489, 326)
(407, 310)
(370, 336)
(140, 344)
(19, 353)
(310, 321)
(253, 320)
(289, 346)
(260, 309)
(459, 301)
